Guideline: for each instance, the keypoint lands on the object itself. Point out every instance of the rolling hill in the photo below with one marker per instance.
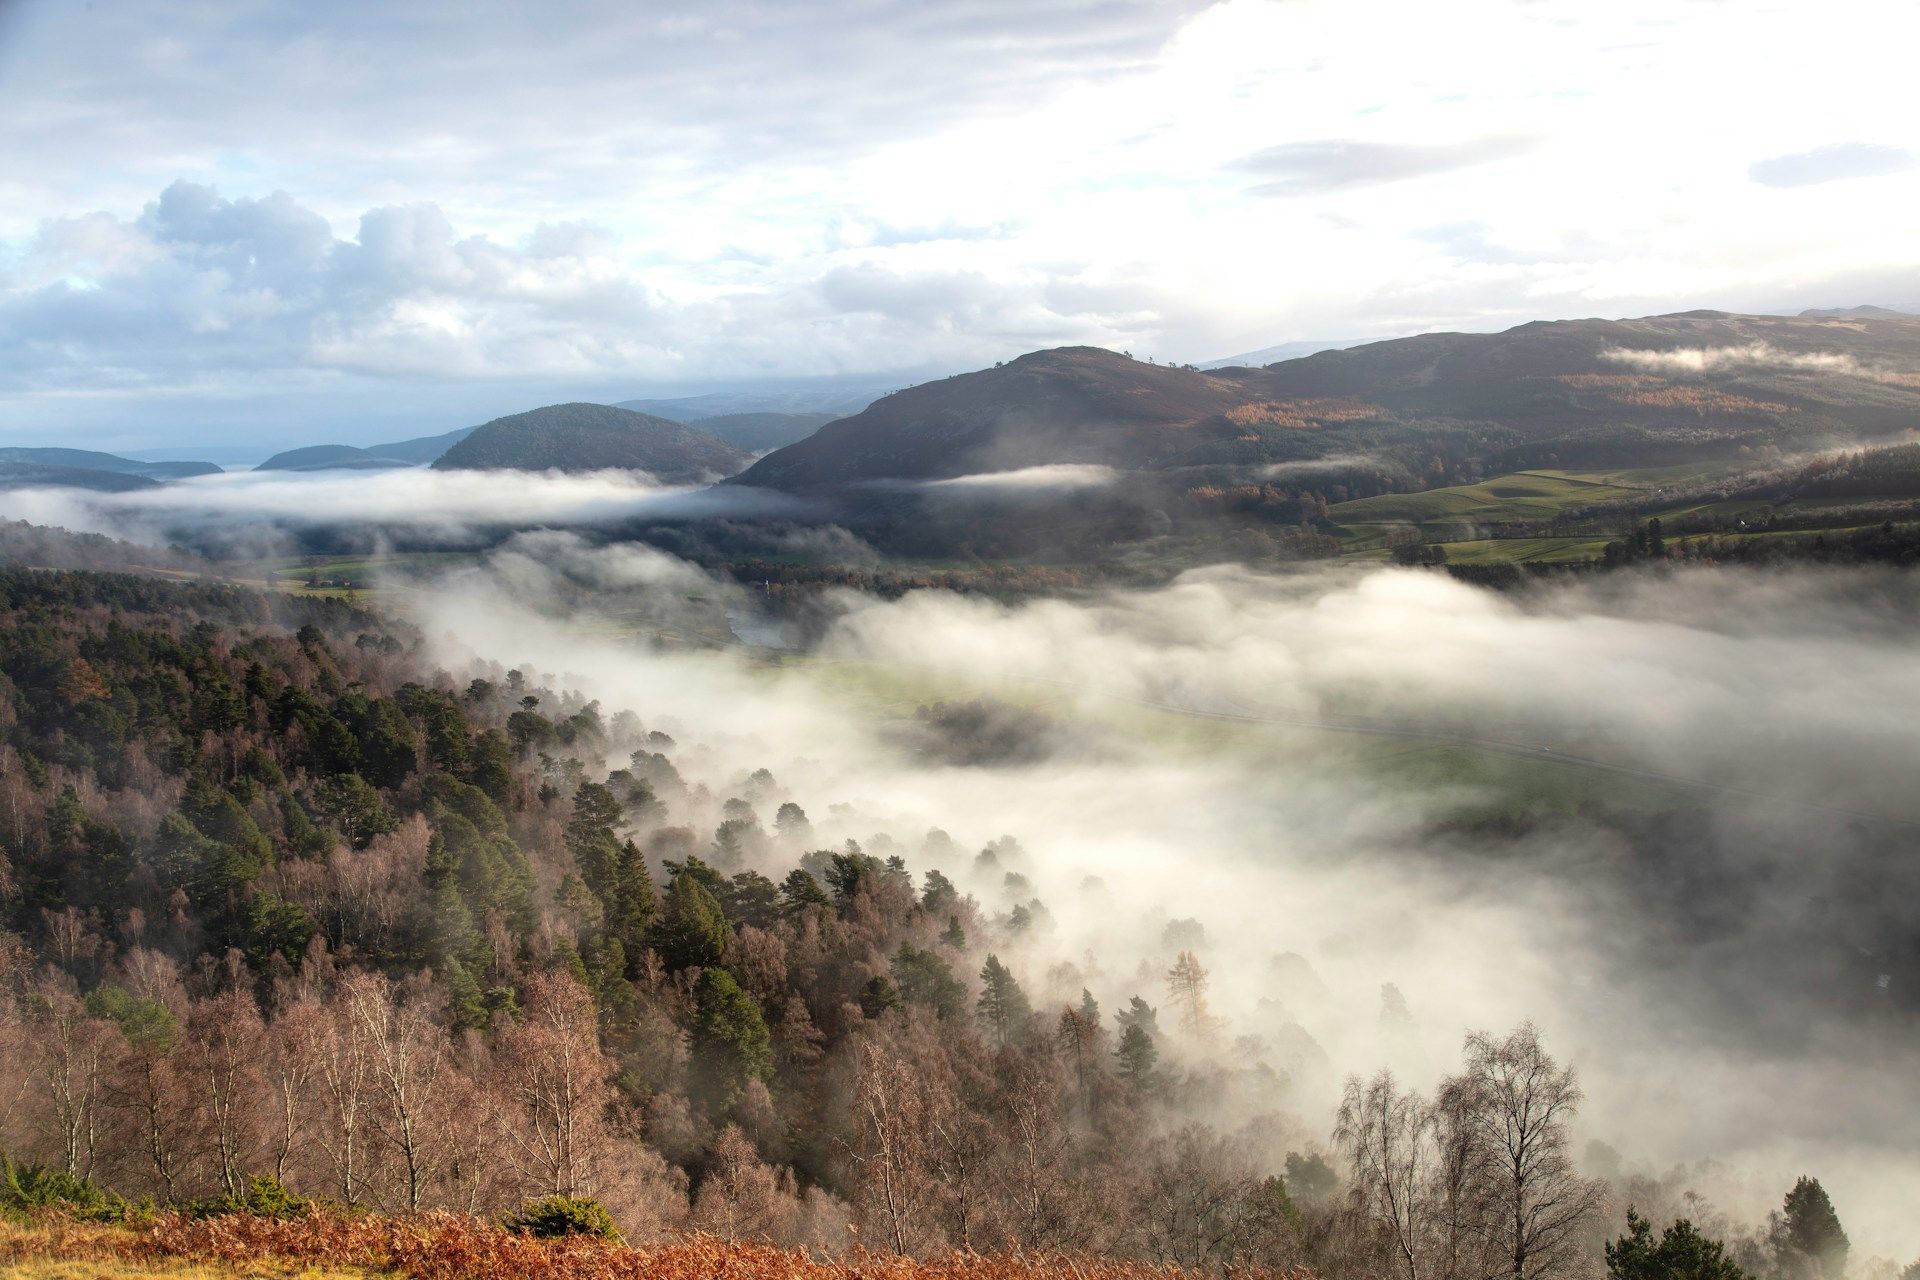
(1434, 408)
(40, 475)
(400, 453)
(594, 437)
(90, 460)
(1072, 405)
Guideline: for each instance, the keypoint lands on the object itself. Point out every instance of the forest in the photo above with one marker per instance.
(291, 915)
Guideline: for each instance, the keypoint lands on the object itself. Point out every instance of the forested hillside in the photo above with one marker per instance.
(281, 901)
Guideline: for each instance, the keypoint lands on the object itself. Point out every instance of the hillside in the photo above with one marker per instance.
(39, 475)
(90, 460)
(329, 457)
(400, 453)
(594, 437)
(1660, 390)
(1071, 405)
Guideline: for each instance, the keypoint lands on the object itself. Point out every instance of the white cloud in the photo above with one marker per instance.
(603, 197)
(1713, 359)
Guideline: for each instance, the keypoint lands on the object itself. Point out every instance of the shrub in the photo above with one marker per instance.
(565, 1216)
(38, 1186)
(265, 1197)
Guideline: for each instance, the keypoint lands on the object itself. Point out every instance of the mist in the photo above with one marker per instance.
(1668, 817)
(445, 504)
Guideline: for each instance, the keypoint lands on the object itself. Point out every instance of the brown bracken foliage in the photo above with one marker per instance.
(441, 1246)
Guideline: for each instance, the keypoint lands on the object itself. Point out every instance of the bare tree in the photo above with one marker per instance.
(223, 1047)
(890, 1143)
(411, 1073)
(1385, 1136)
(72, 1052)
(559, 1084)
(1513, 1105)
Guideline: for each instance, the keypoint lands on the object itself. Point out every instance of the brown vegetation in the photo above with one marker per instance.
(441, 1246)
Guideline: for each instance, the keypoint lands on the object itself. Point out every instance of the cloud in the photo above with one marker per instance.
(1835, 163)
(1053, 476)
(1714, 359)
(1343, 164)
(367, 503)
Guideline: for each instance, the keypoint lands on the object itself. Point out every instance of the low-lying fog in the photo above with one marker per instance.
(1711, 911)
(252, 504)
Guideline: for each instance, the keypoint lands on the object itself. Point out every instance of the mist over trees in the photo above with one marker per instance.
(283, 902)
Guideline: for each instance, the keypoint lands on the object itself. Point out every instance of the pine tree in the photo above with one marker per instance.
(1003, 1005)
(692, 930)
(1812, 1228)
(1138, 1056)
(730, 1041)
(1681, 1253)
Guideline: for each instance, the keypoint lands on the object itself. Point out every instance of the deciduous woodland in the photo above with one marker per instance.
(289, 911)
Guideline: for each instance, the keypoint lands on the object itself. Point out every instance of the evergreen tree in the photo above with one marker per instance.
(1681, 1253)
(1003, 1005)
(923, 978)
(1138, 1056)
(1812, 1228)
(878, 996)
(692, 929)
(800, 891)
(730, 1042)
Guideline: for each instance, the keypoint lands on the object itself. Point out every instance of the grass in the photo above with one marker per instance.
(441, 1246)
(1523, 495)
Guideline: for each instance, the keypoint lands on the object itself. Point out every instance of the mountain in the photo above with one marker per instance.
(330, 457)
(832, 397)
(421, 450)
(89, 460)
(1070, 405)
(401, 453)
(593, 437)
(40, 475)
(1698, 385)
(1283, 351)
(759, 432)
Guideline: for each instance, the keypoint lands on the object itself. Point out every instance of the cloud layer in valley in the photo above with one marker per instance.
(447, 504)
(1667, 949)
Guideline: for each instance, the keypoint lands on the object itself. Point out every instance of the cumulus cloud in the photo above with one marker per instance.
(1341, 164)
(1833, 163)
(1715, 359)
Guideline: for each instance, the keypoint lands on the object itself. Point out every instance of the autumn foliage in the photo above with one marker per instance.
(444, 1246)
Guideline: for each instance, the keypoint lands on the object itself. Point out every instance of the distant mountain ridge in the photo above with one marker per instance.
(90, 460)
(761, 432)
(594, 437)
(418, 451)
(835, 400)
(1698, 384)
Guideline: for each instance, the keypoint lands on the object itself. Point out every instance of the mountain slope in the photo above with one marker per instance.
(1069, 405)
(400, 453)
(330, 457)
(90, 460)
(1697, 385)
(40, 475)
(593, 437)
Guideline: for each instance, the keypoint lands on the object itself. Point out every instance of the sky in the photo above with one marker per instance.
(231, 226)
